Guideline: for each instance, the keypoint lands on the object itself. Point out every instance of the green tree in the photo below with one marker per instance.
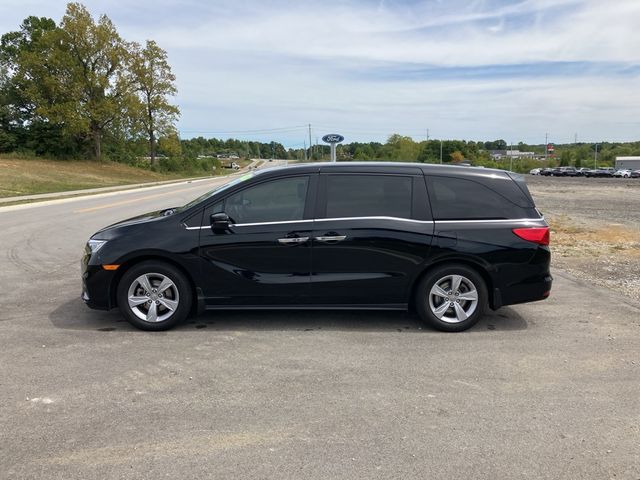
(170, 144)
(402, 148)
(154, 83)
(17, 111)
(565, 158)
(84, 81)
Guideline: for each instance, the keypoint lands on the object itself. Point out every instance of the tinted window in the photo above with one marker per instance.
(368, 195)
(460, 199)
(274, 201)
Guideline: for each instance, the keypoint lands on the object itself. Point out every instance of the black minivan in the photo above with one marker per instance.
(446, 241)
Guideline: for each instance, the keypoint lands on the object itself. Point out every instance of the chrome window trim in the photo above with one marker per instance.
(373, 217)
(398, 219)
(501, 220)
(269, 223)
(253, 224)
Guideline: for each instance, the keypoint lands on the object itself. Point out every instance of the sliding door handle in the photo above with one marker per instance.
(292, 240)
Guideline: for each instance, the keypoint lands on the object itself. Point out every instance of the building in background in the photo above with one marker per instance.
(500, 154)
(632, 163)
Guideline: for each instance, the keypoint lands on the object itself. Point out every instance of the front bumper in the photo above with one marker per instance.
(97, 285)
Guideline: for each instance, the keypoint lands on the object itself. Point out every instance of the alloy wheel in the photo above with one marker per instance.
(453, 298)
(153, 297)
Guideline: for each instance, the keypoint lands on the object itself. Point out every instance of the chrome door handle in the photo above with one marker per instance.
(286, 241)
(331, 238)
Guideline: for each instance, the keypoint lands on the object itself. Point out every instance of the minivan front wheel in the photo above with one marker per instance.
(451, 298)
(154, 296)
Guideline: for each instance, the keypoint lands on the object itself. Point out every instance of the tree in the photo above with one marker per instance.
(154, 83)
(83, 82)
(17, 111)
(496, 145)
(401, 148)
(457, 156)
(170, 143)
(565, 158)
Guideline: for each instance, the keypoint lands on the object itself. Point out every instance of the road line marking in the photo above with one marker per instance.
(133, 200)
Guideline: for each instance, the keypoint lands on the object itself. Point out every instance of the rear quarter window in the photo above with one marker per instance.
(462, 199)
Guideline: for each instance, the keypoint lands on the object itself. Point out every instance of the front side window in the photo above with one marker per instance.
(368, 196)
(274, 201)
(218, 189)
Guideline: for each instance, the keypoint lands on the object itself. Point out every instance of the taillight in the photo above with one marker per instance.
(539, 235)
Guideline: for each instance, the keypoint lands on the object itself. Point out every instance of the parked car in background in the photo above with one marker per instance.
(635, 174)
(600, 172)
(564, 172)
(546, 171)
(535, 171)
(622, 173)
(446, 241)
(582, 171)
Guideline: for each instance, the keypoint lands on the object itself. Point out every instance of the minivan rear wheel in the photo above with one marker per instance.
(154, 296)
(451, 298)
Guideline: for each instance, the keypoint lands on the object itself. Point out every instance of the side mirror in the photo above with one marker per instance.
(219, 222)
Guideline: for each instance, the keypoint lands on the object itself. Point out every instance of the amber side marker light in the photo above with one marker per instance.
(539, 235)
(110, 267)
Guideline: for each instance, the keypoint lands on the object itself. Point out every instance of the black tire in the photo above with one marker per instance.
(425, 301)
(154, 272)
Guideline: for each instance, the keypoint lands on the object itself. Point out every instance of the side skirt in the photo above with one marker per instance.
(388, 306)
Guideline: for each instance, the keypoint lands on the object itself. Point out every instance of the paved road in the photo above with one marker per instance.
(547, 390)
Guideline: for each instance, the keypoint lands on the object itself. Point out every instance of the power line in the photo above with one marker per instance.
(254, 131)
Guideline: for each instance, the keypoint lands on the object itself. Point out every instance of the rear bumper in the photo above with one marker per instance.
(533, 290)
(525, 282)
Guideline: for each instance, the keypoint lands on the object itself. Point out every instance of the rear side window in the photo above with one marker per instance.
(368, 195)
(461, 199)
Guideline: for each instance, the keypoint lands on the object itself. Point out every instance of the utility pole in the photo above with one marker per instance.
(440, 151)
(595, 158)
(427, 134)
(546, 146)
(511, 159)
(310, 144)
(305, 150)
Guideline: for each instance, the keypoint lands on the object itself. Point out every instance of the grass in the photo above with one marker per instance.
(27, 177)
(568, 239)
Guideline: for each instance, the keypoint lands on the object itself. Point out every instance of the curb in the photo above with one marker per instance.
(70, 194)
(93, 191)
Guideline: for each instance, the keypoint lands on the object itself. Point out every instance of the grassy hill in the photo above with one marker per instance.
(25, 177)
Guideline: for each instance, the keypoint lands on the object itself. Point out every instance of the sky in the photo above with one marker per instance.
(457, 69)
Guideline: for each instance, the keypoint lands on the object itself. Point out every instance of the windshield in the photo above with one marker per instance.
(220, 188)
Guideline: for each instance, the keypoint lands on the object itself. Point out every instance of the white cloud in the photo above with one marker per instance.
(257, 64)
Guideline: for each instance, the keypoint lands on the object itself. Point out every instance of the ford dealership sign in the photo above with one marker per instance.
(333, 138)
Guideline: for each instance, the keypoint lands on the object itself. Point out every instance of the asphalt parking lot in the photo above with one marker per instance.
(543, 390)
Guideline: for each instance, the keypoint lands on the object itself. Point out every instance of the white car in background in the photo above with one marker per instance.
(623, 173)
(535, 171)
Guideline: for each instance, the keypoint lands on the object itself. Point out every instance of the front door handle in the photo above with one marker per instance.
(331, 238)
(292, 240)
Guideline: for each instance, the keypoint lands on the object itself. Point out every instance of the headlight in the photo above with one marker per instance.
(95, 245)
